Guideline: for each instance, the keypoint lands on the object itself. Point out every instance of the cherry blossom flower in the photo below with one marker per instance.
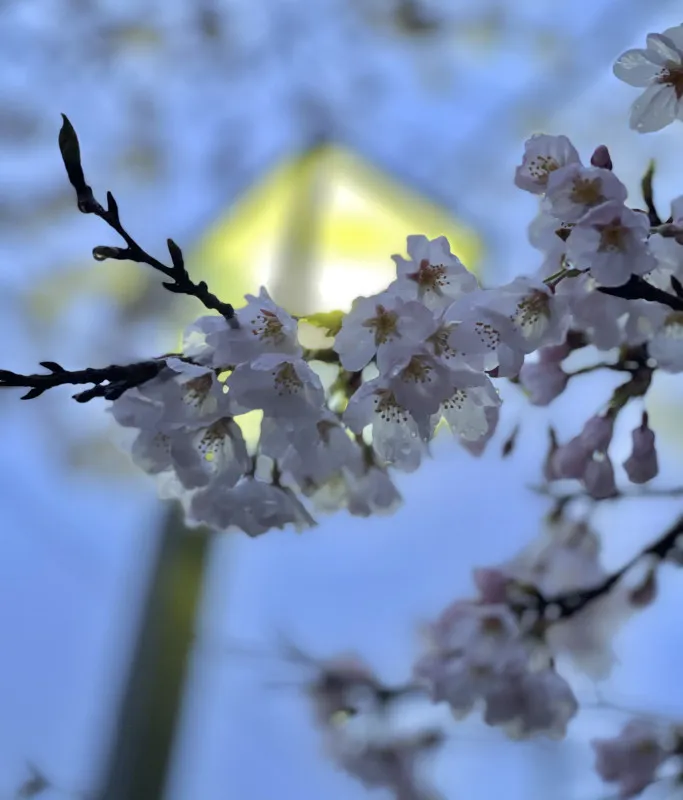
(135, 410)
(219, 449)
(539, 316)
(632, 758)
(574, 190)
(385, 326)
(597, 315)
(182, 395)
(493, 329)
(644, 319)
(184, 422)
(398, 437)
(485, 339)
(280, 385)
(470, 646)
(525, 702)
(420, 383)
(611, 241)
(659, 70)
(264, 327)
(310, 451)
(543, 155)
(666, 345)
(669, 255)
(151, 451)
(439, 344)
(195, 335)
(478, 656)
(465, 410)
(432, 275)
(549, 235)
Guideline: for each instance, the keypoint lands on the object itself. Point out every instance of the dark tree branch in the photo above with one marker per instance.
(180, 281)
(570, 603)
(638, 288)
(109, 382)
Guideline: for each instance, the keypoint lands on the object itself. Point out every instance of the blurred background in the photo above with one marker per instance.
(294, 144)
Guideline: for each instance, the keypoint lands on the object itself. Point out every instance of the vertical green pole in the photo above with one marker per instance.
(151, 703)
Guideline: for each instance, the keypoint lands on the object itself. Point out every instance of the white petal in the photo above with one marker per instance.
(439, 248)
(667, 346)
(356, 346)
(398, 444)
(663, 48)
(675, 35)
(466, 415)
(152, 452)
(510, 362)
(654, 109)
(360, 410)
(636, 67)
(417, 246)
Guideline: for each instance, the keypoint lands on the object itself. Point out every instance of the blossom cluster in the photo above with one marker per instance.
(403, 361)
(499, 652)
(422, 354)
(379, 734)
(587, 233)
(504, 654)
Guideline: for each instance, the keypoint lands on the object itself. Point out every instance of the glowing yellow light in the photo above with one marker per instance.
(355, 218)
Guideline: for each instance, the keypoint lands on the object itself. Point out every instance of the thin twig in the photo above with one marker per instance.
(180, 282)
(594, 368)
(545, 491)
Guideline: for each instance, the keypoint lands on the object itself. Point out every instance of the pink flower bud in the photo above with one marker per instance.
(601, 157)
(570, 460)
(554, 353)
(598, 477)
(492, 584)
(630, 759)
(642, 465)
(544, 381)
(597, 434)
